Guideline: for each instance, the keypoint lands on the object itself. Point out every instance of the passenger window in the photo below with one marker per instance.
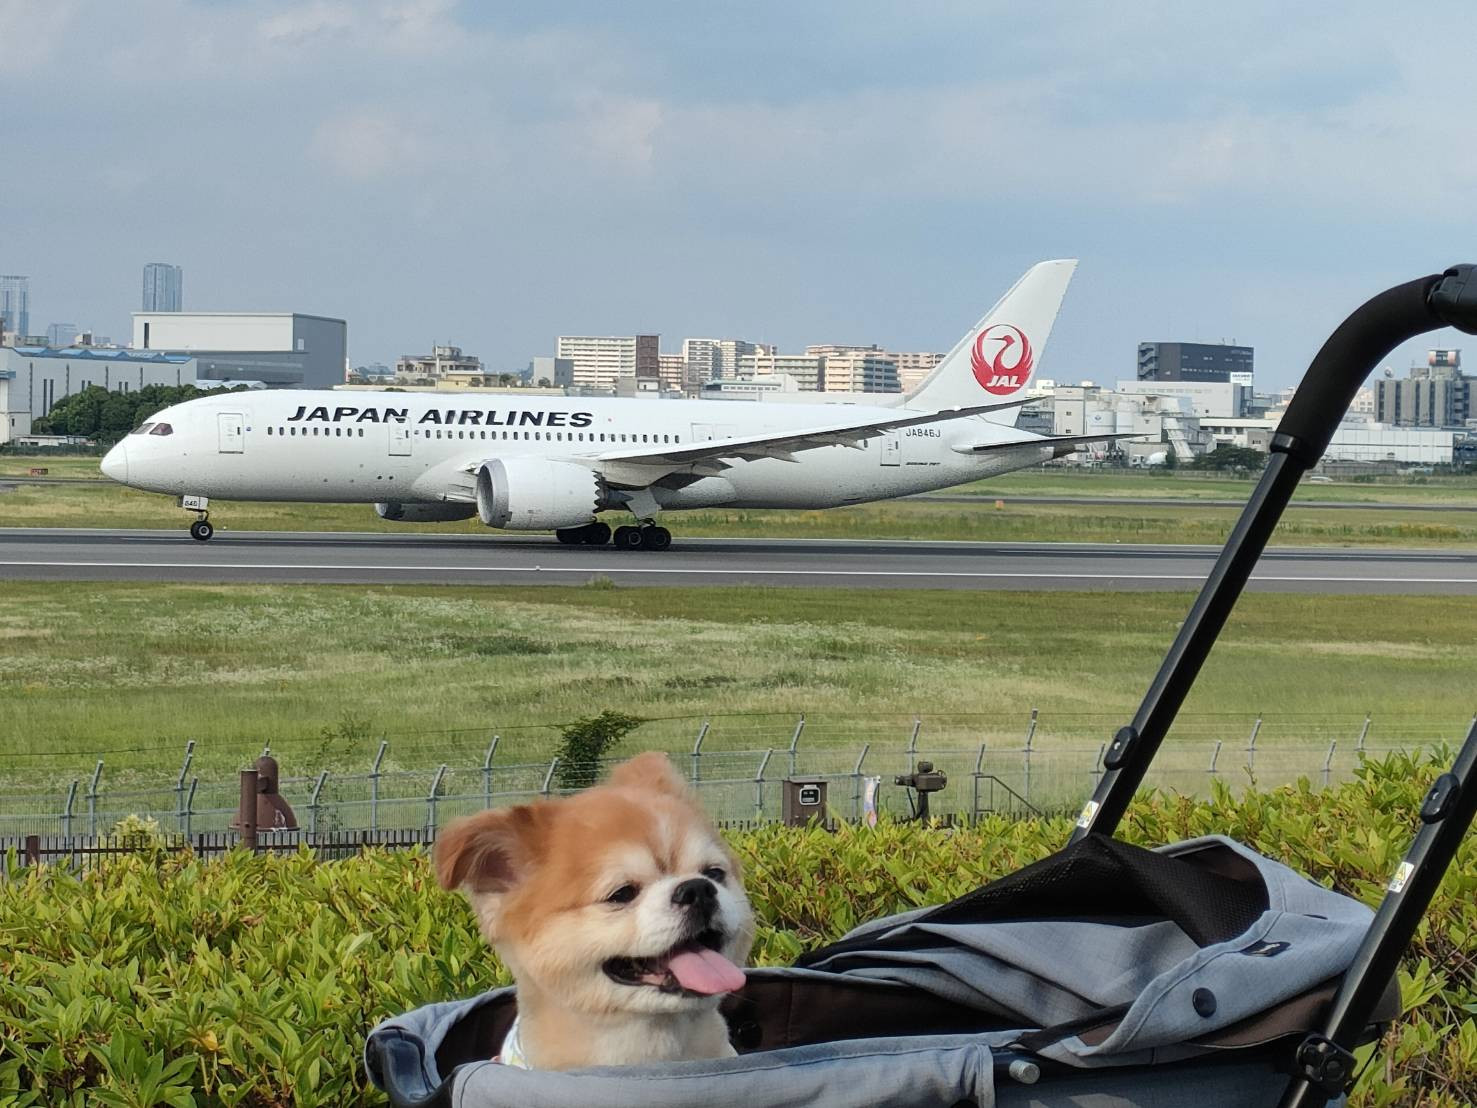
(538, 436)
(665, 439)
(269, 430)
(361, 432)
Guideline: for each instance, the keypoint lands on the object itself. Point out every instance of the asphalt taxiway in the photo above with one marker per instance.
(77, 554)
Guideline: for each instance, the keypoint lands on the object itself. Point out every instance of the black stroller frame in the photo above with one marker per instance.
(1324, 1063)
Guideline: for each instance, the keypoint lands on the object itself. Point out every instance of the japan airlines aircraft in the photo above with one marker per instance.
(554, 463)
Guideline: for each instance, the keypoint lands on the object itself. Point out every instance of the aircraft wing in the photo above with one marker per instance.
(783, 444)
(1042, 440)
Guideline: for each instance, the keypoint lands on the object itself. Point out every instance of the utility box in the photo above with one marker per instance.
(804, 800)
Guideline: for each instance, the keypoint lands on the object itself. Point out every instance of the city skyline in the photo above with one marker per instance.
(855, 175)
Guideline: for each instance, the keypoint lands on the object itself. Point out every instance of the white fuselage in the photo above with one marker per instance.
(419, 447)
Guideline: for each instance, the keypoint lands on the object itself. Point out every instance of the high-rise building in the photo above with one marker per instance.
(1436, 394)
(598, 361)
(860, 371)
(718, 359)
(164, 286)
(913, 368)
(804, 369)
(15, 303)
(61, 334)
(442, 363)
(1192, 361)
(672, 369)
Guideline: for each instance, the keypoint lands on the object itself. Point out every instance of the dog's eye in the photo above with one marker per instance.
(624, 895)
(715, 874)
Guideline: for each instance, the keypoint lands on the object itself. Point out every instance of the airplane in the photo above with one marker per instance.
(557, 463)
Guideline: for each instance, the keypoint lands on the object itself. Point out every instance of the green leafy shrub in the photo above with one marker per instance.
(583, 743)
(161, 979)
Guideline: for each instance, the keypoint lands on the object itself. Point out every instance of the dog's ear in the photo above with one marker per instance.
(652, 770)
(491, 851)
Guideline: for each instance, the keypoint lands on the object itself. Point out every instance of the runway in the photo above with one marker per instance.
(358, 557)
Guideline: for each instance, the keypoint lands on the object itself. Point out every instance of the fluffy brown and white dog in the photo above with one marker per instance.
(619, 911)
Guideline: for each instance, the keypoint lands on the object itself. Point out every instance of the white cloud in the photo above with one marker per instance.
(363, 145)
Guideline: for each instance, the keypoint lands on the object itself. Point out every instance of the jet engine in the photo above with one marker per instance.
(536, 494)
(424, 513)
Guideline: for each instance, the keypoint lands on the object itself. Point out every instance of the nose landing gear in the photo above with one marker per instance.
(201, 529)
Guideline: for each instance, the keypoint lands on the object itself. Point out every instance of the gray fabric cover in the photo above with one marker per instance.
(1042, 972)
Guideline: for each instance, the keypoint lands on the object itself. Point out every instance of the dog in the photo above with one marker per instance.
(619, 911)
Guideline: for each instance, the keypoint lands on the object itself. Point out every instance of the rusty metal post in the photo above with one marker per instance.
(33, 850)
(246, 809)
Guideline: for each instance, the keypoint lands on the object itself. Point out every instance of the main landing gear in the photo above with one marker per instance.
(201, 529)
(591, 534)
(646, 537)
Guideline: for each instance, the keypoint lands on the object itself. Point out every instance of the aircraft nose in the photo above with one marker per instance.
(115, 464)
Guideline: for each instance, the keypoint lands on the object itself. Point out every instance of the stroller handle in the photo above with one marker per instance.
(1352, 351)
(1346, 359)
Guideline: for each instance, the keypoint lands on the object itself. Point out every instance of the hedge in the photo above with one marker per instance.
(160, 979)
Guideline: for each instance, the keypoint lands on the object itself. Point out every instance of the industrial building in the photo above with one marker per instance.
(33, 379)
(278, 349)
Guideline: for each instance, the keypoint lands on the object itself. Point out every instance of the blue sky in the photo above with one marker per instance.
(492, 175)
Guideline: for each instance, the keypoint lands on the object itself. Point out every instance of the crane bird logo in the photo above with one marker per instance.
(1007, 366)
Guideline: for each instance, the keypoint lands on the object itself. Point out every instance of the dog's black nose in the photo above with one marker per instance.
(697, 893)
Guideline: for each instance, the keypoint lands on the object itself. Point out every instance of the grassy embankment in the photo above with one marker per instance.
(131, 671)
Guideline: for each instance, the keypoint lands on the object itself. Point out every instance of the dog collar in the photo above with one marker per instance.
(512, 1052)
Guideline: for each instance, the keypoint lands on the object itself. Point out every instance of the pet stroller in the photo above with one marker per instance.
(1104, 975)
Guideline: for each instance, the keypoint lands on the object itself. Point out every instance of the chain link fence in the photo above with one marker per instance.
(1029, 765)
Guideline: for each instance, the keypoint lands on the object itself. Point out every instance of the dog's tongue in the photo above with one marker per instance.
(705, 971)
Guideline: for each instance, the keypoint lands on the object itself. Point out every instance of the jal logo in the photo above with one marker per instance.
(1002, 359)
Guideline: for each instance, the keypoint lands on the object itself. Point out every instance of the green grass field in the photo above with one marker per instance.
(108, 505)
(132, 671)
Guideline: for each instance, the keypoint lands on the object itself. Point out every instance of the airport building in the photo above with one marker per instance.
(278, 349)
(1192, 361)
(34, 379)
(599, 361)
(1216, 399)
(1436, 394)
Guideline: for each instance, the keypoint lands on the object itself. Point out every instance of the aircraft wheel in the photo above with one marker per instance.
(655, 538)
(201, 530)
(627, 538)
(597, 534)
(570, 536)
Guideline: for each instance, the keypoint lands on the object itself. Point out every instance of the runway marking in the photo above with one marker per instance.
(740, 572)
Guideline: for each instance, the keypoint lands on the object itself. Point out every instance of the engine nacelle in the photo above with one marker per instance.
(444, 512)
(535, 494)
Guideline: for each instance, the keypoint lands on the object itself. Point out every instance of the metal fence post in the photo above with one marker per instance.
(67, 811)
(246, 809)
(313, 802)
(1328, 762)
(794, 744)
(913, 744)
(190, 804)
(179, 785)
(759, 785)
(856, 782)
(374, 786)
(1030, 741)
(1363, 734)
(1215, 756)
(697, 753)
(1256, 729)
(979, 774)
(431, 799)
(549, 777)
(1097, 766)
(487, 773)
(92, 798)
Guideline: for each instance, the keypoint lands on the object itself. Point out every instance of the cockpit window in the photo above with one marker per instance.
(162, 429)
(142, 429)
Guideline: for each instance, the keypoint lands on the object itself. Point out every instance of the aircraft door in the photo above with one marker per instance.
(399, 440)
(232, 434)
(891, 453)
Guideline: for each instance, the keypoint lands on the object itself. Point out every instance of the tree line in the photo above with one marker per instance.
(106, 416)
